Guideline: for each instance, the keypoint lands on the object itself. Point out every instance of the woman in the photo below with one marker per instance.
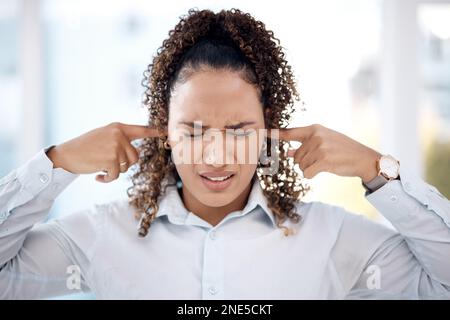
(215, 227)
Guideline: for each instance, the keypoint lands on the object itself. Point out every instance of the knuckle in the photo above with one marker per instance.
(116, 128)
(116, 132)
(311, 173)
(306, 174)
(316, 127)
(133, 159)
(302, 164)
(302, 167)
(115, 124)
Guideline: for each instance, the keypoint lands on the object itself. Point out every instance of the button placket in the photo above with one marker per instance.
(213, 290)
(213, 266)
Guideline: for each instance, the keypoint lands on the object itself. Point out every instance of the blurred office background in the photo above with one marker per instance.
(378, 71)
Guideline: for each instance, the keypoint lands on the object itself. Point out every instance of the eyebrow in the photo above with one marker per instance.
(231, 126)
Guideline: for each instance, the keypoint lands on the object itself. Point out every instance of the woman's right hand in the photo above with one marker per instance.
(107, 149)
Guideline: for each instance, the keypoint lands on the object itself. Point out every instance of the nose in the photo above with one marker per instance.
(213, 154)
(214, 149)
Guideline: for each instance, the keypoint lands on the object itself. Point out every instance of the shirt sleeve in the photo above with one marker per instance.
(38, 260)
(411, 261)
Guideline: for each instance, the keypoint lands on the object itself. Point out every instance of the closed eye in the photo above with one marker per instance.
(239, 133)
(232, 133)
(192, 136)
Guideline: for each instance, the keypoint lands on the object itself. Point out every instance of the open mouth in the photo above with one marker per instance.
(218, 179)
(217, 183)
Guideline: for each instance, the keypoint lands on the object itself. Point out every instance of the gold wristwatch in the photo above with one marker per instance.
(388, 169)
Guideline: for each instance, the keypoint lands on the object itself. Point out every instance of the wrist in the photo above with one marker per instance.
(54, 156)
(388, 169)
(369, 170)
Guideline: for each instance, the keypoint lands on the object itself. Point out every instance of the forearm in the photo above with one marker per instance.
(26, 196)
(422, 216)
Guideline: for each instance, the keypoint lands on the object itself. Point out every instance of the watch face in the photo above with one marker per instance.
(389, 166)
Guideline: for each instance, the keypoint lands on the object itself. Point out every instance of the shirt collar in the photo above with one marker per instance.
(172, 206)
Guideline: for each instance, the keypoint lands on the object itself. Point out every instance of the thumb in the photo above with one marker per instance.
(103, 178)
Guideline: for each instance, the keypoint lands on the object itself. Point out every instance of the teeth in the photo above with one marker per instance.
(217, 178)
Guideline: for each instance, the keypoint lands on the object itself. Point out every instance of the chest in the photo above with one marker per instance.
(203, 266)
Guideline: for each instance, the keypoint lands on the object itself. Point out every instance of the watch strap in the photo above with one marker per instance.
(375, 183)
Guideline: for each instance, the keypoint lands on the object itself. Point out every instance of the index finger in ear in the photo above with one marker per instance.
(291, 134)
(136, 132)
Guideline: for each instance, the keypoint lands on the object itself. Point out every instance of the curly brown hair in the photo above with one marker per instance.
(260, 59)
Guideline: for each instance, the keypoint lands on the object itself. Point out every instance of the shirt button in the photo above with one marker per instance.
(393, 198)
(213, 290)
(408, 186)
(213, 235)
(43, 178)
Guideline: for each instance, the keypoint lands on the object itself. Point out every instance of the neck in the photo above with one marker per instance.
(213, 215)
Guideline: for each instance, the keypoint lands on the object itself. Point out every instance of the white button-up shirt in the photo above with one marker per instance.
(334, 254)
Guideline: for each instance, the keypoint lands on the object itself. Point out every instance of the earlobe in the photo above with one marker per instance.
(164, 143)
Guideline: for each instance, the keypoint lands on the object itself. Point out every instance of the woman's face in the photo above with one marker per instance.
(215, 126)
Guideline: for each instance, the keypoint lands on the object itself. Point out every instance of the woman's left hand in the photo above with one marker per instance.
(324, 149)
